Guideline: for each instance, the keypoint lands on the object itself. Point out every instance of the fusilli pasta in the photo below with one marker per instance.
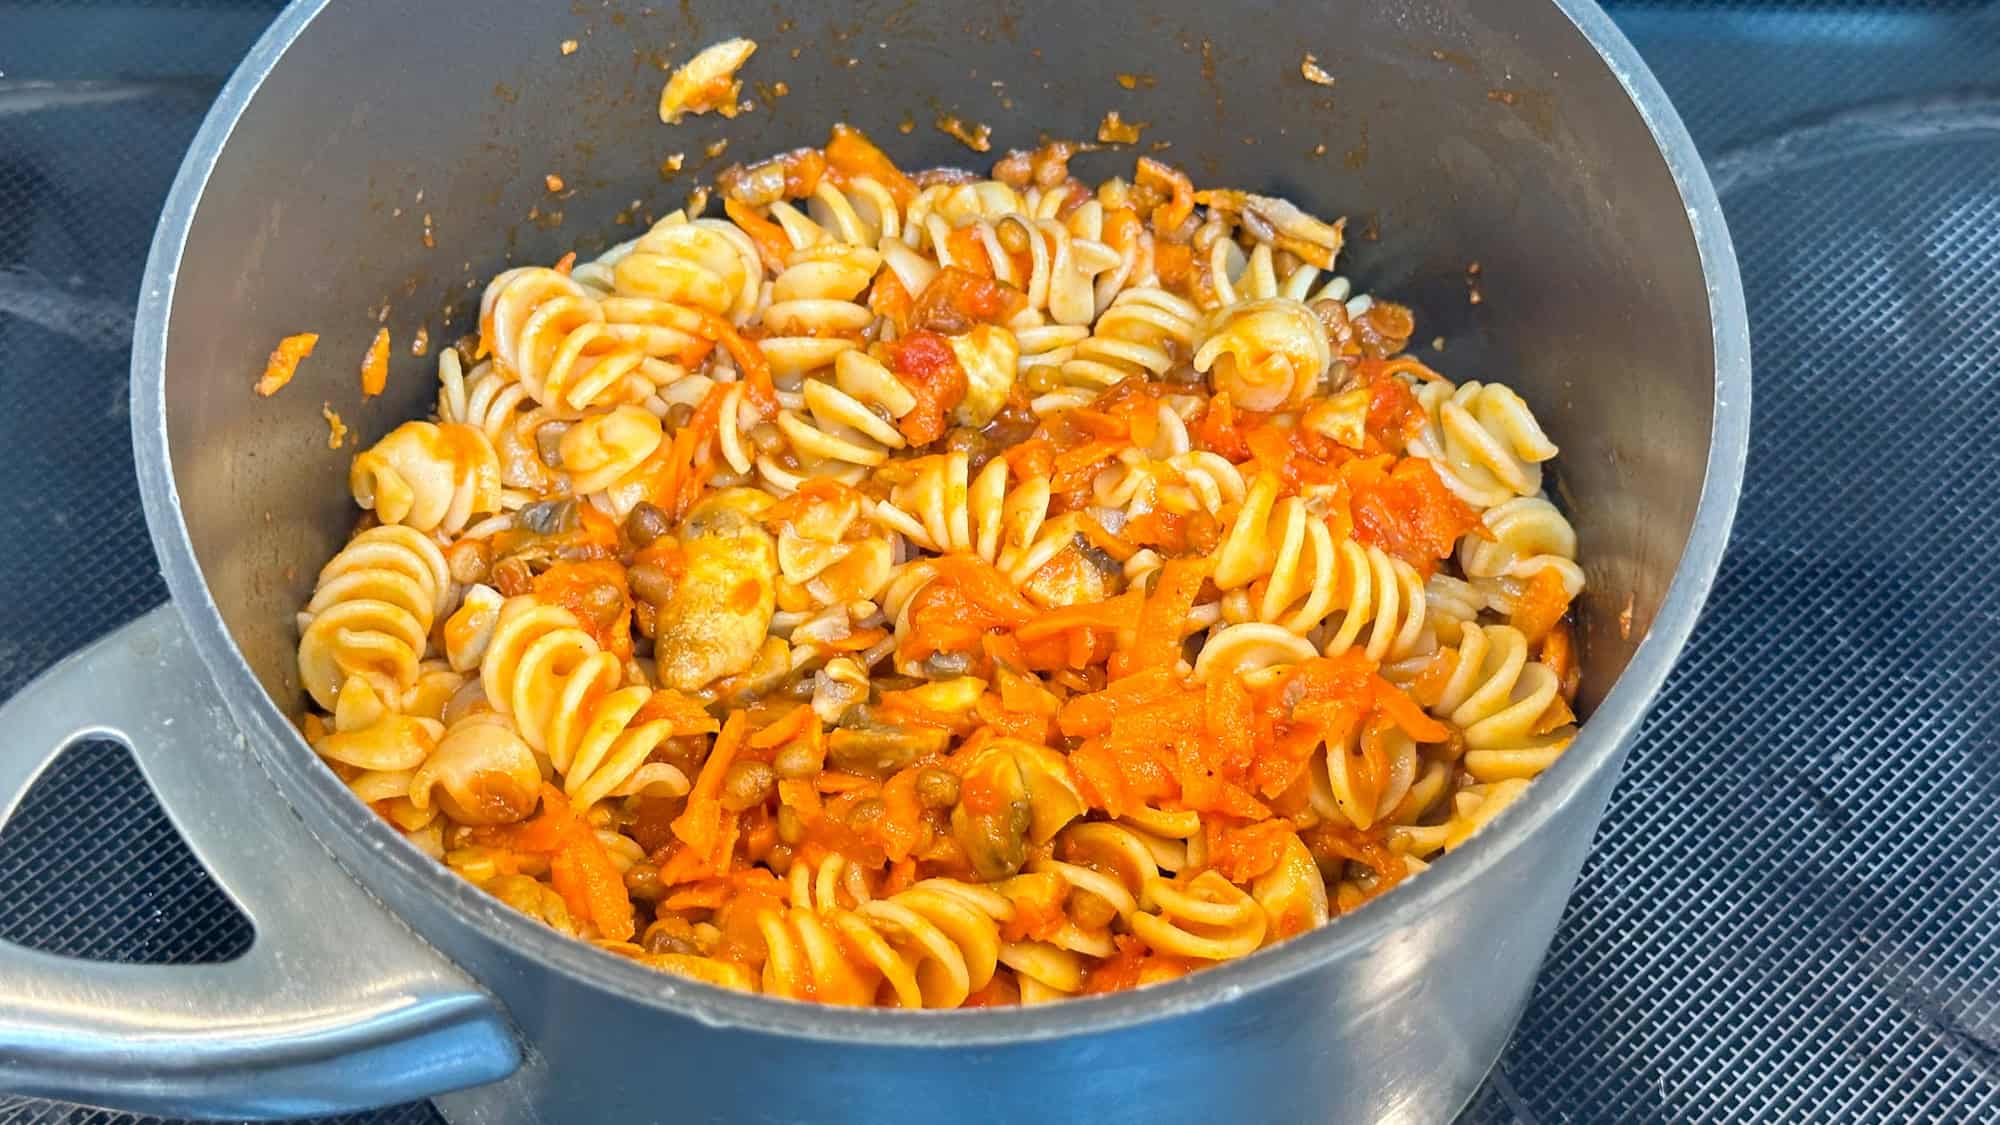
(932, 591)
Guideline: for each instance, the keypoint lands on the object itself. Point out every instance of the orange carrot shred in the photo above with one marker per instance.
(375, 365)
(284, 362)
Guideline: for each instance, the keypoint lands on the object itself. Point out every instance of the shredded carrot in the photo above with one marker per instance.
(375, 365)
(1163, 619)
(967, 251)
(830, 782)
(590, 884)
(1411, 365)
(851, 155)
(1093, 714)
(1243, 851)
(1407, 511)
(1557, 715)
(1332, 842)
(1076, 467)
(889, 299)
(1168, 216)
(791, 726)
(902, 874)
(1013, 722)
(802, 797)
(1035, 457)
(676, 482)
(700, 825)
(580, 870)
(1541, 604)
(1217, 430)
(1112, 614)
(566, 263)
(1404, 712)
(757, 386)
(860, 640)
(284, 362)
(687, 863)
(1559, 653)
(704, 895)
(1118, 547)
(968, 599)
(1175, 265)
(683, 712)
(772, 245)
(900, 828)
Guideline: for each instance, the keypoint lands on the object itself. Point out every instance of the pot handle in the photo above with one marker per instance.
(336, 1006)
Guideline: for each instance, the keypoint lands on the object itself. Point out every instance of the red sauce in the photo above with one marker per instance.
(578, 587)
(956, 299)
(925, 363)
(1409, 513)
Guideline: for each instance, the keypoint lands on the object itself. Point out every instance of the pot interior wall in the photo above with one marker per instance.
(397, 157)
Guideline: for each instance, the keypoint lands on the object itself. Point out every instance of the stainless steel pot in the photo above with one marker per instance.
(371, 159)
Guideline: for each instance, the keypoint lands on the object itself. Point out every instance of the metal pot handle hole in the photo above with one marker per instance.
(335, 1007)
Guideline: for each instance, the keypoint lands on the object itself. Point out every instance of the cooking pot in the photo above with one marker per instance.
(1512, 171)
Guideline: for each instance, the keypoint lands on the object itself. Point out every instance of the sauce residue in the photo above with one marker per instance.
(1115, 130)
(977, 137)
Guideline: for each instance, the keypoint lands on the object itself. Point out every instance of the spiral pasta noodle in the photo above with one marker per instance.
(848, 424)
(1527, 536)
(567, 699)
(936, 591)
(935, 507)
(1140, 334)
(812, 315)
(1266, 354)
(1483, 441)
(553, 336)
(860, 213)
(705, 264)
(428, 477)
(929, 947)
(1500, 698)
(371, 612)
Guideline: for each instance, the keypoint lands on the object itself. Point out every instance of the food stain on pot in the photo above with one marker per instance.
(1457, 59)
(1209, 78)
(1356, 158)
(1535, 106)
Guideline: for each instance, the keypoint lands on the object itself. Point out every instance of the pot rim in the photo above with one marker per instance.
(375, 854)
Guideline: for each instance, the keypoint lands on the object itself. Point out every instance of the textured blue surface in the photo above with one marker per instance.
(1793, 908)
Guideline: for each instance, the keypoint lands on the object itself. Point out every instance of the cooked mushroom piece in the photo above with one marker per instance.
(868, 745)
(1013, 794)
(992, 817)
(720, 610)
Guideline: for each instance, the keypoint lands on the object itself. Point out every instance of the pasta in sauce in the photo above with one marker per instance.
(942, 591)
